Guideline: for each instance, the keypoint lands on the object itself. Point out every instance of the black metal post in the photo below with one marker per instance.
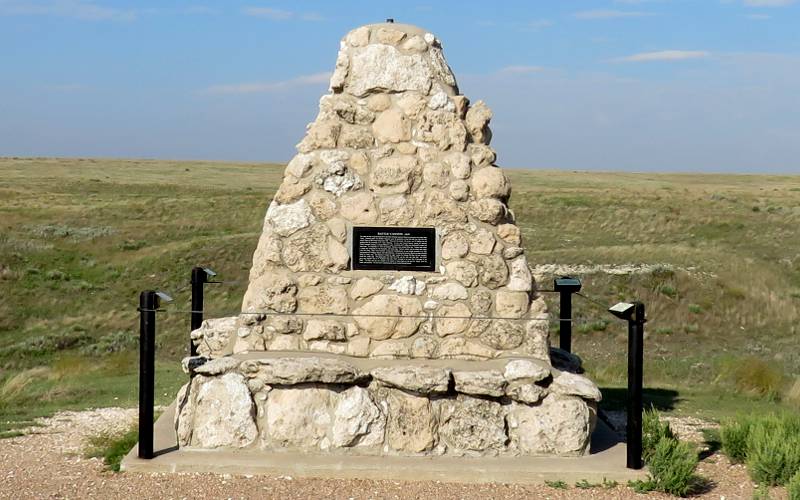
(635, 380)
(565, 321)
(565, 286)
(148, 303)
(199, 278)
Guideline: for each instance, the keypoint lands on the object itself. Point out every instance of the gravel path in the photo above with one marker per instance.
(47, 463)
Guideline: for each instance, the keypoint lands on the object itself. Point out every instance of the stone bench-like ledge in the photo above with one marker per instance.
(293, 400)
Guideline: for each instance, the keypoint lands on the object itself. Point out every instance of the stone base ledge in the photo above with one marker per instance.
(342, 405)
(605, 460)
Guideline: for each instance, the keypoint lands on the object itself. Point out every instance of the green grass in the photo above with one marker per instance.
(80, 238)
(112, 448)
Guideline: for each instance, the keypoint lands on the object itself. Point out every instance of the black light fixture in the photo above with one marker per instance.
(566, 286)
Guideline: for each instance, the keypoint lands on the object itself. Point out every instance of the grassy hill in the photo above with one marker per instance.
(716, 259)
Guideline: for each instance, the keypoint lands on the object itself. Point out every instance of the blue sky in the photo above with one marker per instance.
(650, 85)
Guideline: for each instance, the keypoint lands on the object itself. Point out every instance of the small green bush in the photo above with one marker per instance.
(559, 485)
(653, 431)
(757, 377)
(672, 467)
(733, 434)
(793, 486)
(773, 449)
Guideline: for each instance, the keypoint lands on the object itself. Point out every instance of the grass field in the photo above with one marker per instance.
(80, 238)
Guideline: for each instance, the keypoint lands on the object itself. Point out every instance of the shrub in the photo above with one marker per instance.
(773, 449)
(733, 434)
(757, 377)
(653, 430)
(672, 466)
(111, 343)
(793, 486)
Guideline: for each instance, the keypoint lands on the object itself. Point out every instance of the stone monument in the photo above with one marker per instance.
(390, 308)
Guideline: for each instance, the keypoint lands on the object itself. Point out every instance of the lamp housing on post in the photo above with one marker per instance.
(567, 284)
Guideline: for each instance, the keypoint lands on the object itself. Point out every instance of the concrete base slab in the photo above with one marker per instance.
(606, 460)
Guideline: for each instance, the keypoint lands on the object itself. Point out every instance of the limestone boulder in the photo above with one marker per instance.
(358, 420)
(392, 126)
(474, 425)
(415, 378)
(412, 424)
(301, 370)
(490, 182)
(503, 334)
(511, 304)
(288, 219)
(452, 319)
(214, 336)
(359, 208)
(450, 291)
(319, 329)
(572, 384)
(389, 316)
(323, 299)
(480, 382)
(395, 174)
(381, 67)
(298, 417)
(224, 413)
(365, 287)
(559, 425)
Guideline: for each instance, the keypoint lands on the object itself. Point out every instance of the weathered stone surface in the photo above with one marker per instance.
(463, 271)
(322, 329)
(478, 116)
(483, 382)
(525, 392)
(452, 319)
(408, 285)
(481, 155)
(439, 209)
(412, 424)
(299, 370)
(488, 210)
(481, 302)
(490, 182)
(273, 292)
(411, 103)
(559, 425)
(503, 334)
(338, 256)
(459, 190)
(379, 102)
(520, 278)
(389, 349)
(355, 136)
(461, 348)
(392, 126)
(184, 412)
(359, 208)
(291, 189)
(223, 415)
(298, 417)
(382, 67)
(288, 219)
(365, 287)
(397, 210)
(525, 369)
(322, 135)
(323, 300)
(494, 271)
(389, 316)
(322, 204)
(395, 174)
(218, 366)
(450, 291)
(455, 246)
(510, 234)
(415, 43)
(214, 335)
(422, 379)
(482, 242)
(435, 175)
(512, 252)
(357, 420)
(300, 165)
(537, 341)
(470, 424)
(571, 384)
(304, 252)
(459, 165)
(359, 37)
(511, 304)
(424, 347)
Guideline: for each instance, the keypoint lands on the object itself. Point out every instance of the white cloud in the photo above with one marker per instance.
(768, 3)
(281, 15)
(610, 14)
(521, 69)
(73, 9)
(261, 87)
(664, 55)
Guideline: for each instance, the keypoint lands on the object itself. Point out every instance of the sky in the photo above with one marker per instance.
(634, 85)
